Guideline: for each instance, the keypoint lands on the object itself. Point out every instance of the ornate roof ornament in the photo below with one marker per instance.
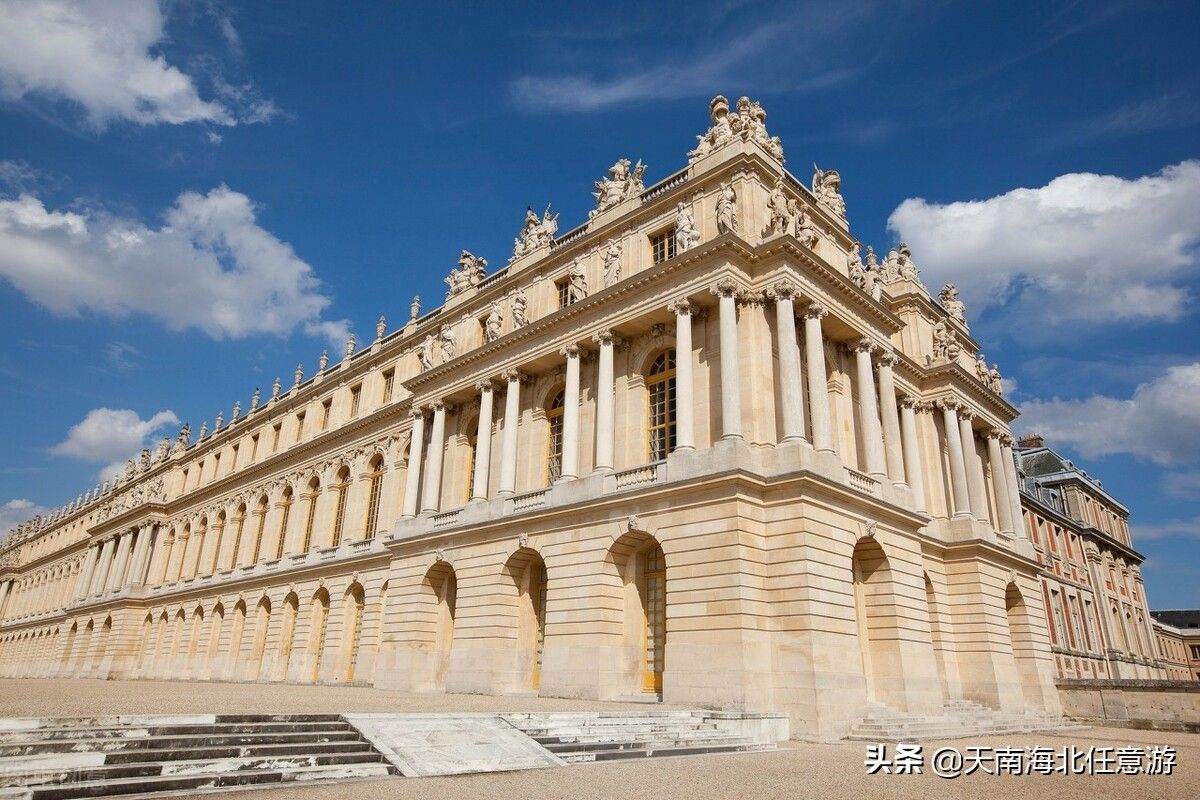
(687, 235)
(726, 212)
(351, 343)
(535, 232)
(954, 307)
(748, 124)
(466, 275)
(827, 188)
(621, 184)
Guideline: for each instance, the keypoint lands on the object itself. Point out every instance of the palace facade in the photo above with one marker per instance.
(698, 448)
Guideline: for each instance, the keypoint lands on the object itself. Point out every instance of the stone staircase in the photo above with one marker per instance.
(55, 759)
(605, 736)
(959, 718)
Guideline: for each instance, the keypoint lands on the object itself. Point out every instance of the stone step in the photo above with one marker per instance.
(651, 744)
(244, 751)
(560, 739)
(613, 754)
(77, 733)
(611, 730)
(109, 745)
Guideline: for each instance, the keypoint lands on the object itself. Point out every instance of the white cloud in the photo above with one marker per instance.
(1160, 422)
(1162, 530)
(1084, 247)
(14, 512)
(209, 266)
(100, 55)
(1184, 484)
(111, 435)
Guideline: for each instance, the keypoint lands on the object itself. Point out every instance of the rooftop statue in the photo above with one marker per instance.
(726, 212)
(621, 184)
(780, 221)
(449, 341)
(493, 323)
(854, 267)
(994, 379)
(748, 124)
(827, 188)
(467, 274)
(520, 306)
(612, 262)
(907, 267)
(956, 308)
(687, 235)
(806, 231)
(425, 353)
(945, 343)
(535, 233)
(577, 288)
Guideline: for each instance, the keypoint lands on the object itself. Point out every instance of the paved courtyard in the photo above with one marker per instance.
(796, 771)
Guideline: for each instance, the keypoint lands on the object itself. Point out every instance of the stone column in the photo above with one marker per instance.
(120, 561)
(893, 441)
(431, 497)
(416, 445)
(508, 446)
(731, 385)
(570, 447)
(869, 409)
(103, 565)
(818, 385)
(1000, 481)
(791, 389)
(605, 415)
(913, 469)
(976, 492)
(958, 470)
(1013, 481)
(483, 441)
(132, 577)
(685, 384)
(85, 574)
(5, 587)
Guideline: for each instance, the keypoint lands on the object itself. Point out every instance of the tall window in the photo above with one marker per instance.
(662, 245)
(470, 467)
(661, 421)
(258, 533)
(325, 408)
(300, 426)
(389, 383)
(554, 415)
(275, 436)
(283, 521)
(355, 397)
(564, 293)
(339, 517)
(373, 492)
(253, 448)
(238, 525)
(314, 490)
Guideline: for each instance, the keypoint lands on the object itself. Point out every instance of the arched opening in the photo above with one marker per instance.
(554, 440)
(374, 492)
(262, 621)
(1021, 636)
(285, 513)
(660, 421)
(216, 622)
(184, 547)
(214, 560)
(287, 635)
(69, 647)
(89, 641)
(874, 612)
(235, 637)
(239, 527)
(354, 603)
(101, 648)
(442, 584)
(641, 565)
(937, 635)
(316, 640)
(528, 573)
(158, 665)
(200, 535)
(341, 489)
(144, 642)
(310, 519)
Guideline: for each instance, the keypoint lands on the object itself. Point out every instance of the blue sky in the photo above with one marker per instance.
(195, 196)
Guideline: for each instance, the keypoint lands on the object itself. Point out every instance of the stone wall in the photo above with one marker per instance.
(1162, 705)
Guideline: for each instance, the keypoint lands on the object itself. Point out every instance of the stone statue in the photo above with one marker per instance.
(535, 232)
(275, 386)
(777, 207)
(520, 307)
(164, 450)
(873, 286)
(144, 460)
(612, 263)
(425, 353)
(945, 343)
(621, 184)
(414, 308)
(255, 399)
(719, 133)
(855, 269)
(185, 438)
(908, 267)
(380, 327)
(351, 343)
(827, 188)
(129, 472)
(577, 288)
(726, 213)
(237, 411)
(890, 272)
(298, 376)
(981, 369)
(748, 124)
(806, 232)
(492, 324)
(219, 421)
(994, 380)
(954, 307)
(203, 431)
(468, 273)
(322, 361)
(448, 341)
(687, 235)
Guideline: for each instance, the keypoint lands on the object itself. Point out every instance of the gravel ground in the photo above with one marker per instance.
(796, 772)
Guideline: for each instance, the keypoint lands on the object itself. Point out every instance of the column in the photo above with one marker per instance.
(818, 385)
(483, 441)
(508, 444)
(976, 492)
(431, 496)
(868, 409)
(103, 565)
(791, 391)
(85, 574)
(141, 560)
(958, 470)
(120, 561)
(570, 452)
(685, 384)
(5, 587)
(913, 469)
(605, 415)
(731, 385)
(416, 444)
(1013, 482)
(893, 441)
(999, 481)
(135, 556)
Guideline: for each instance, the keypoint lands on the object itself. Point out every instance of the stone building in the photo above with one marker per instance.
(1178, 633)
(1092, 588)
(695, 448)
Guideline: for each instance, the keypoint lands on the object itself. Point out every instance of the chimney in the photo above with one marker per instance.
(1031, 440)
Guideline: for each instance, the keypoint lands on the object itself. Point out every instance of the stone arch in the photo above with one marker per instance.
(86, 645)
(100, 650)
(218, 534)
(287, 635)
(312, 494)
(144, 641)
(236, 633)
(875, 614)
(441, 590)
(938, 635)
(341, 487)
(527, 578)
(216, 621)
(158, 659)
(354, 605)
(376, 468)
(318, 633)
(1020, 633)
(262, 622)
(641, 565)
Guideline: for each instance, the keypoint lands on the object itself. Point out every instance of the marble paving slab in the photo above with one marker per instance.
(421, 745)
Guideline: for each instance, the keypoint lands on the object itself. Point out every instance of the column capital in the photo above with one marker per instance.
(570, 351)
(417, 412)
(485, 385)
(965, 414)
(514, 376)
(864, 345)
(908, 401)
(946, 404)
(726, 287)
(682, 307)
(994, 433)
(440, 405)
(782, 291)
(607, 337)
(887, 358)
(815, 311)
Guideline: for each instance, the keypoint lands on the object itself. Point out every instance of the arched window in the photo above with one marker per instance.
(469, 471)
(320, 622)
(260, 526)
(216, 551)
(374, 488)
(339, 517)
(353, 627)
(314, 491)
(286, 501)
(239, 524)
(660, 423)
(201, 534)
(554, 445)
